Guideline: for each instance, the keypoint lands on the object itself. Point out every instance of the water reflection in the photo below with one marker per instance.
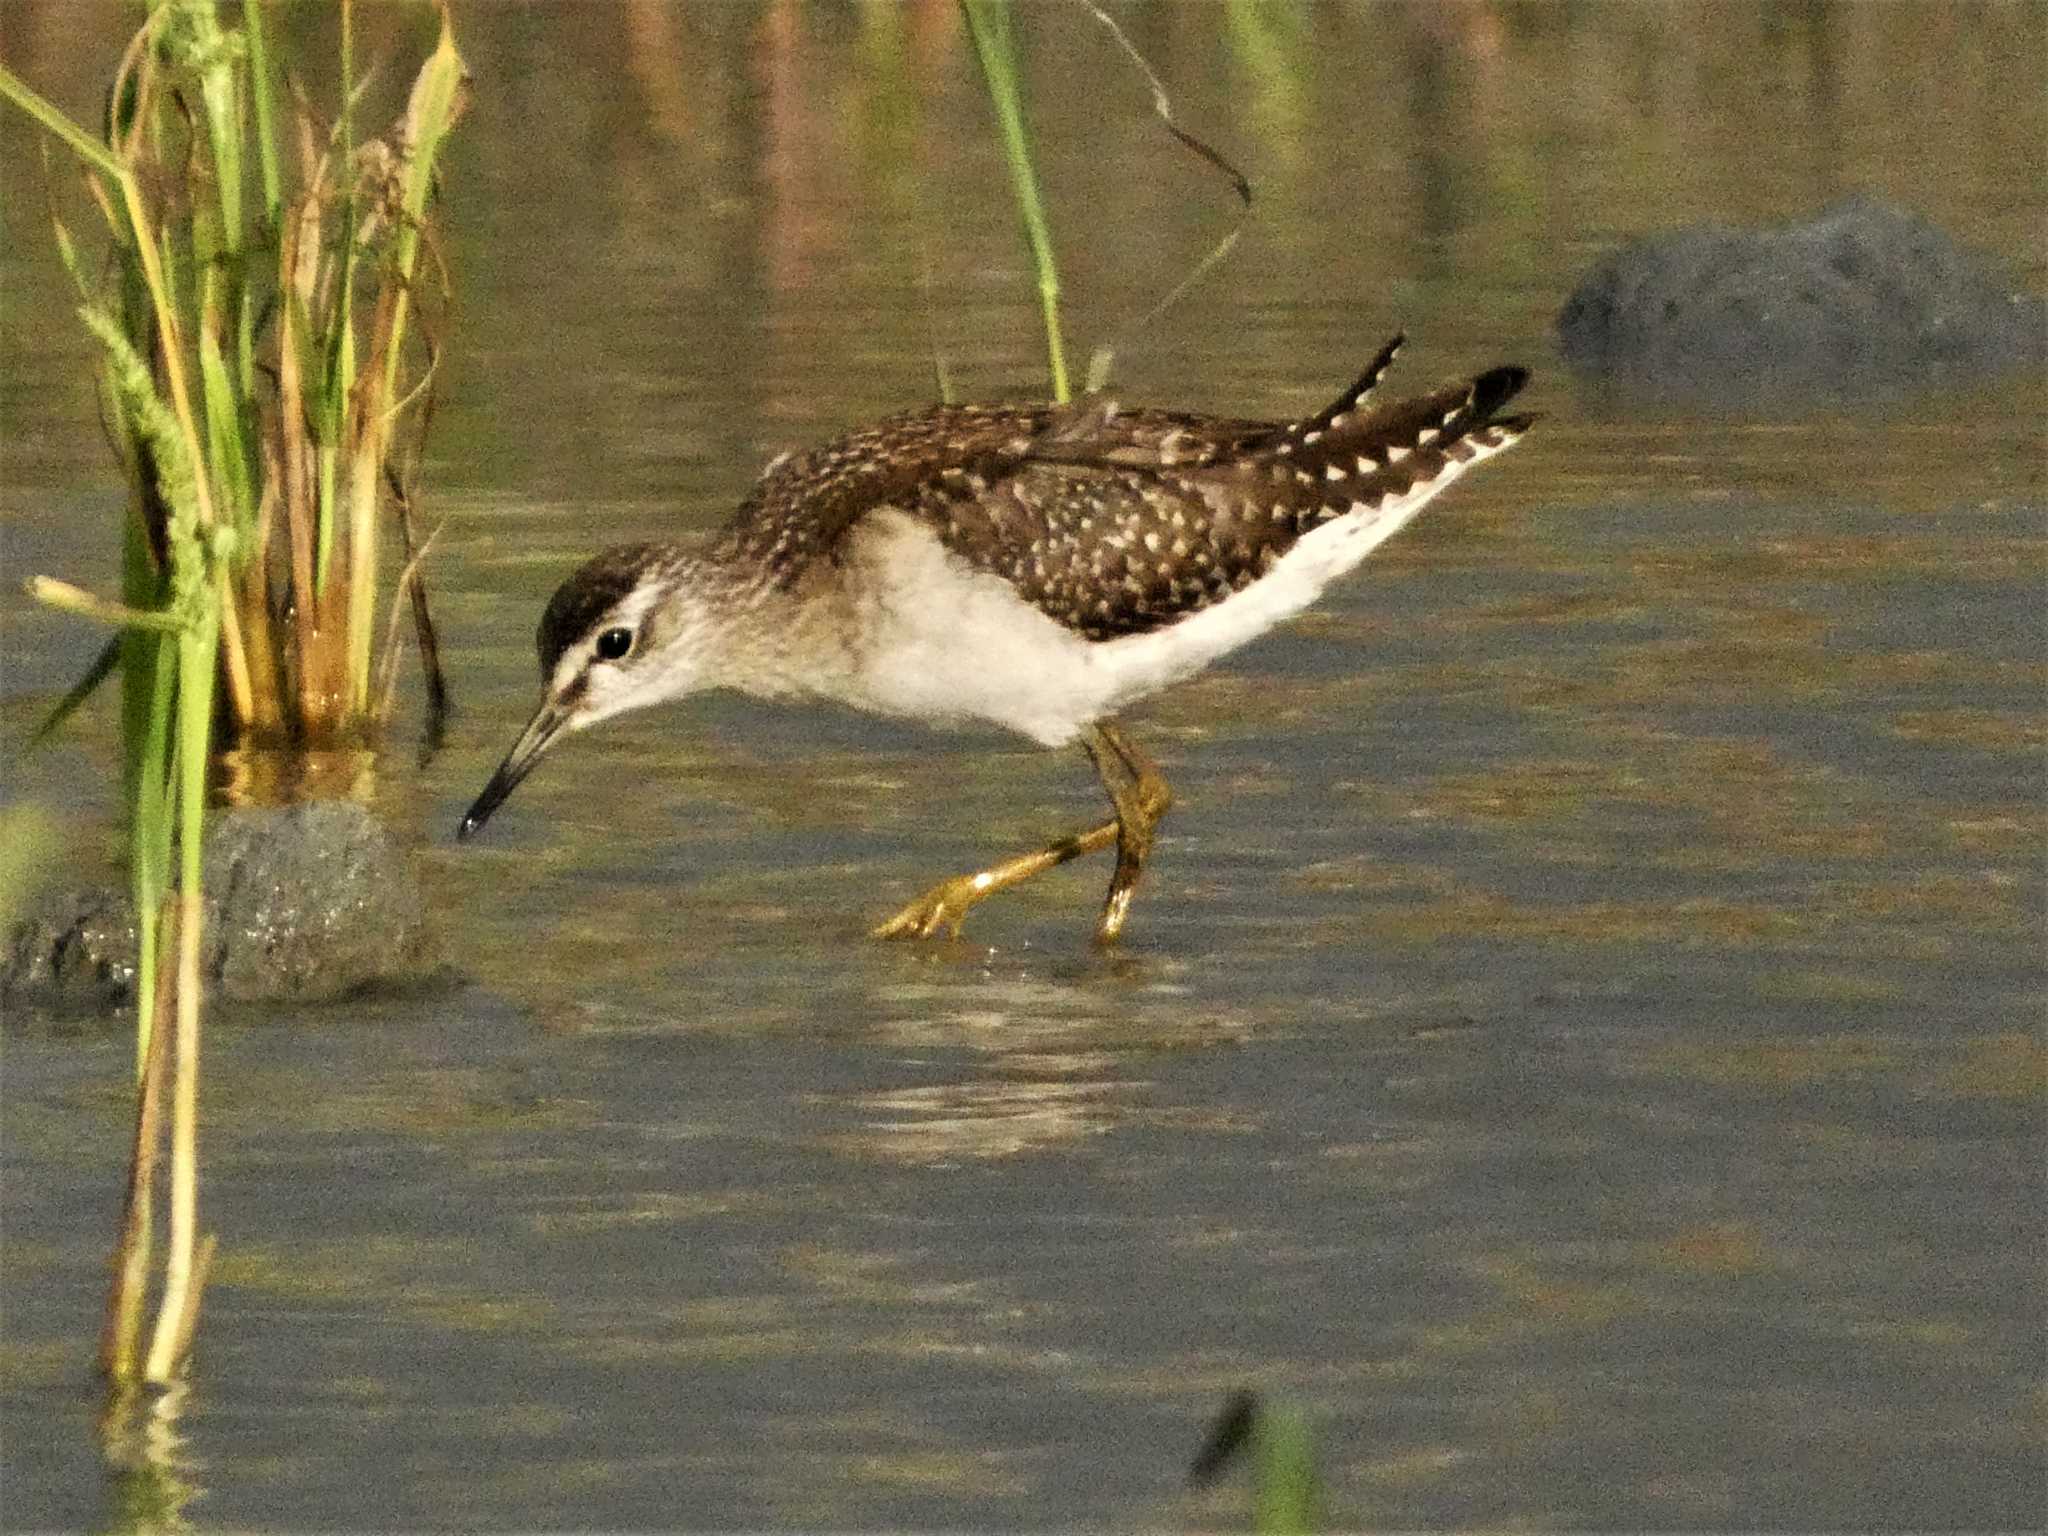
(256, 775)
(152, 1469)
(1052, 1060)
(950, 1123)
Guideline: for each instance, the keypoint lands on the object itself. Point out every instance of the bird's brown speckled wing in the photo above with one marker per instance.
(803, 506)
(1127, 524)
(1114, 523)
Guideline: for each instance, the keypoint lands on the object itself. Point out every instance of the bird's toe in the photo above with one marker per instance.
(944, 906)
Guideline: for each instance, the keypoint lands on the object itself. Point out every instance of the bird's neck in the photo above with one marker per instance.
(764, 641)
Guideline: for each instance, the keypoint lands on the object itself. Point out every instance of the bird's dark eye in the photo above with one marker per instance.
(613, 644)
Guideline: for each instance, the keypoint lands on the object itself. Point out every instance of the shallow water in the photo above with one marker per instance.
(1581, 1036)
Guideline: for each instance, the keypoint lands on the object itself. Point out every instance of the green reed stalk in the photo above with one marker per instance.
(263, 104)
(1286, 1493)
(338, 372)
(171, 793)
(185, 1262)
(988, 23)
(149, 832)
(121, 1332)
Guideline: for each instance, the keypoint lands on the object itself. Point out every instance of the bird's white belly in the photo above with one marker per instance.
(934, 639)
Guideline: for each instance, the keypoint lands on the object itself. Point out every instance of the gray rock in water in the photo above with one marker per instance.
(1864, 298)
(305, 903)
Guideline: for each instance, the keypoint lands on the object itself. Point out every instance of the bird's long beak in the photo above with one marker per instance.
(547, 723)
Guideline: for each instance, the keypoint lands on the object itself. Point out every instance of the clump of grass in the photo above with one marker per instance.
(266, 387)
(271, 296)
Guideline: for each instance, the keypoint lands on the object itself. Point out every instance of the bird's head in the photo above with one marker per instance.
(620, 634)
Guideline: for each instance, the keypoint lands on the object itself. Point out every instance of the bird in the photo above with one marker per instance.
(1035, 566)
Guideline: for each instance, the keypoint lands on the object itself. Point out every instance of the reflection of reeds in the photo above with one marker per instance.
(150, 1459)
(260, 404)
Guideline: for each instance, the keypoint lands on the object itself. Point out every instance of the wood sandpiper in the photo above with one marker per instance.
(1035, 566)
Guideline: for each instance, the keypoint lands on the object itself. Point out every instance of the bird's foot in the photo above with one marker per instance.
(944, 906)
(1115, 910)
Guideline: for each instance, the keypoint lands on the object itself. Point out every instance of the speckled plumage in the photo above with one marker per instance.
(1114, 522)
(1034, 567)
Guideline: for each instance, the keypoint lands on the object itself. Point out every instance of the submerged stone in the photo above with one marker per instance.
(1863, 298)
(304, 903)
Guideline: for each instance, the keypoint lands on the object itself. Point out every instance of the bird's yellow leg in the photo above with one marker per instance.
(1141, 796)
(945, 904)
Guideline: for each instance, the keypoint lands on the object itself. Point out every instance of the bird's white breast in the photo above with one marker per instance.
(935, 639)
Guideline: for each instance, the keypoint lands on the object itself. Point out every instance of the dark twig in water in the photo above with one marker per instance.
(1230, 1434)
(412, 579)
(102, 665)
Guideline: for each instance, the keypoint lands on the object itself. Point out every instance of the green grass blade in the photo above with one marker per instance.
(153, 661)
(338, 359)
(988, 23)
(337, 388)
(1285, 1490)
(345, 124)
(185, 1261)
(152, 658)
(438, 99)
(439, 96)
(265, 106)
(67, 248)
(102, 667)
(204, 47)
(142, 586)
(13, 88)
(226, 449)
(29, 850)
